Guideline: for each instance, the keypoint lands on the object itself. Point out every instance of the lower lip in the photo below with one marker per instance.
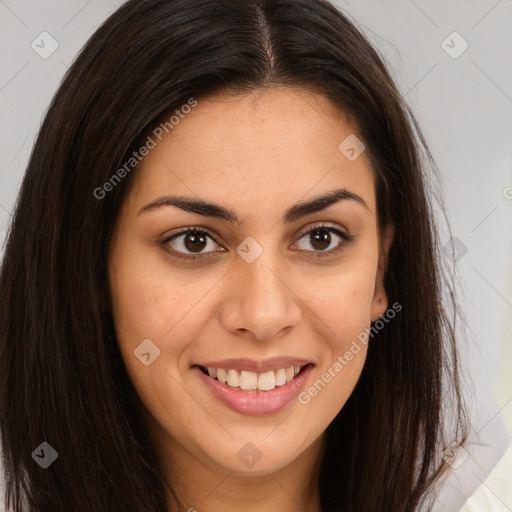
(256, 402)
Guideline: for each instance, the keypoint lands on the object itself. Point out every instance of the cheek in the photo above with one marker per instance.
(344, 310)
(342, 301)
(342, 298)
(146, 307)
(151, 301)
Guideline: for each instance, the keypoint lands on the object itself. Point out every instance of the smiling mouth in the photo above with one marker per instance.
(251, 381)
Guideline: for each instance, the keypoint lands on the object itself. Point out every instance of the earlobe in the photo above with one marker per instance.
(380, 299)
(379, 302)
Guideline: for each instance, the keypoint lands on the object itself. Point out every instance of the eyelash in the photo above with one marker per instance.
(202, 231)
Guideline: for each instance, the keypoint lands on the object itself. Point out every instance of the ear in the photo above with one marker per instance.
(380, 299)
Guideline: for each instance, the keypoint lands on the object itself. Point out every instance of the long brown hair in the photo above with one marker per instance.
(62, 379)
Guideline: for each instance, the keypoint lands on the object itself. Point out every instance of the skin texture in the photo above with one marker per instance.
(257, 154)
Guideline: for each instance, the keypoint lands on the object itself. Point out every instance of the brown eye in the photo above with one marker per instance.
(190, 242)
(324, 239)
(320, 239)
(195, 242)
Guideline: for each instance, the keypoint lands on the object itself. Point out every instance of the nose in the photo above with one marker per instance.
(259, 302)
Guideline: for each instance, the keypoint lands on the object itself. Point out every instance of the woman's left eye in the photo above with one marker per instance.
(192, 243)
(322, 241)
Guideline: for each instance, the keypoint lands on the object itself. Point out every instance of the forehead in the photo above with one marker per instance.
(268, 147)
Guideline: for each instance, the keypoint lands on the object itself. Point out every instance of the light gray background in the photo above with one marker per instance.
(463, 105)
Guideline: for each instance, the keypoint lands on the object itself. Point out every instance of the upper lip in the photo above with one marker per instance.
(250, 365)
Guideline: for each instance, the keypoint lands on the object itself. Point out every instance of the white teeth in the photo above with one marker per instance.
(280, 377)
(251, 380)
(248, 380)
(267, 381)
(233, 378)
(222, 375)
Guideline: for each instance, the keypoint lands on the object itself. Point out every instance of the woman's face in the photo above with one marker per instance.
(277, 288)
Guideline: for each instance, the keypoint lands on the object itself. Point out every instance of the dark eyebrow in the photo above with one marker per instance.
(296, 212)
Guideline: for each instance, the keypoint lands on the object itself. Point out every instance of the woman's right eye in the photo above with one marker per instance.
(189, 244)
